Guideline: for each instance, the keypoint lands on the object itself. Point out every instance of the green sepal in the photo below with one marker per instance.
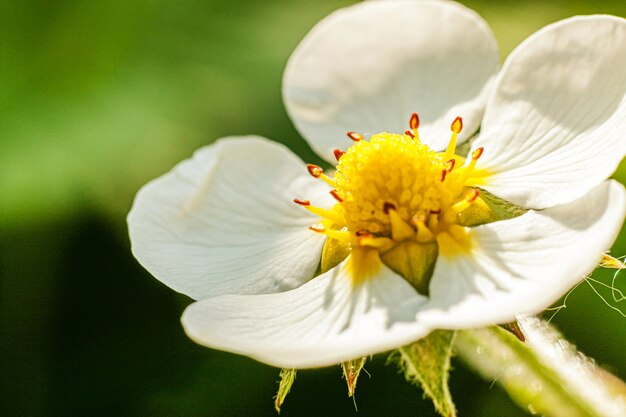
(413, 261)
(488, 208)
(333, 253)
(287, 378)
(427, 363)
(351, 371)
(514, 328)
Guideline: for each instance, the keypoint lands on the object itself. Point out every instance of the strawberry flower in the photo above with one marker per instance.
(408, 234)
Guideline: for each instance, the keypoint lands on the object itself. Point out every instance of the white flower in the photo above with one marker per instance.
(221, 227)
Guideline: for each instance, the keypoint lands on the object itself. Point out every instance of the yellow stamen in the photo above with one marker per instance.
(400, 230)
(333, 215)
(469, 168)
(469, 199)
(342, 235)
(456, 128)
(423, 232)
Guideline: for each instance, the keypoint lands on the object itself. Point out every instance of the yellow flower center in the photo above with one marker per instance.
(390, 172)
(399, 198)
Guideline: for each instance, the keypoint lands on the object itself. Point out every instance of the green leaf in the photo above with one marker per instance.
(287, 378)
(427, 363)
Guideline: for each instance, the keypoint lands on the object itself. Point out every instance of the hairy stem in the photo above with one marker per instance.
(546, 375)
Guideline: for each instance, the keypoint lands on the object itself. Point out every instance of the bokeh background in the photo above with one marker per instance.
(97, 98)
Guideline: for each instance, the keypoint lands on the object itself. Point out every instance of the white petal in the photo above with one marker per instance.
(224, 221)
(525, 264)
(554, 128)
(328, 320)
(367, 67)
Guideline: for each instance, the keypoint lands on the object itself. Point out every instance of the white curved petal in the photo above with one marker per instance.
(327, 320)
(224, 221)
(554, 128)
(367, 67)
(524, 264)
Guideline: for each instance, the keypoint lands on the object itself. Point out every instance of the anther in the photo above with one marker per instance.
(444, 172)
(414, 124)
(314, 170)
(450, 165)
(355, 136)
(317, 228)
(335, 195)
(302, 202)
(318, 172)
(477, 153)
(388, 206)
(457, 125)
(338, 153)
(409, 133)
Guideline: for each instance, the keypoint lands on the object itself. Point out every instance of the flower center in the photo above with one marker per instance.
(390, 172)
(398, 196)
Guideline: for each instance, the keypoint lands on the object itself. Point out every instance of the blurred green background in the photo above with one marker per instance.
(97, 98)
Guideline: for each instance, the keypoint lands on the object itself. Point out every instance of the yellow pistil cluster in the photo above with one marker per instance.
(396, 195)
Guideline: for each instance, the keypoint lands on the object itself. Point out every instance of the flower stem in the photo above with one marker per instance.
(545, 375)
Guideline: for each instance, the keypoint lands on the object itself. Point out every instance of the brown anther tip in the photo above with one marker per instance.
(388, 206)
(409, 133)
(444, 172)
(317, 228)
(472, 195)
(435, 211)
(302, 202)
(414, 123)
(355, 136)
(450, 165)
(338, 153)
(477, 153)
(314, 170)
(336, 196)
(362, 233)
(457, 125)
